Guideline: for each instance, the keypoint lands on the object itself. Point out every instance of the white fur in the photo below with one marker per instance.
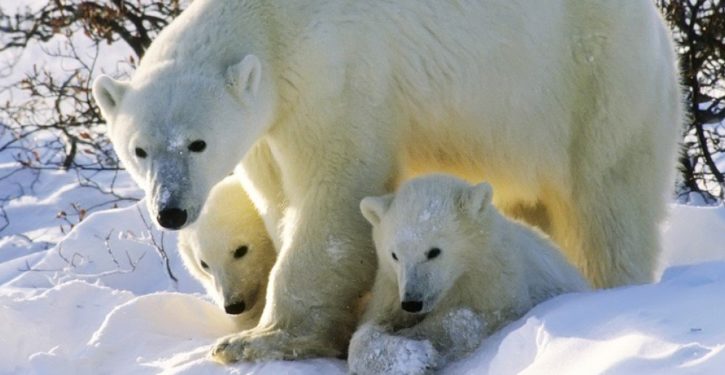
(489, 270)
(570, 108)
(227, 222)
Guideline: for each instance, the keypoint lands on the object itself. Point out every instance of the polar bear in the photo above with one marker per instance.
(451, 269)
(228, 250)
(570, 109)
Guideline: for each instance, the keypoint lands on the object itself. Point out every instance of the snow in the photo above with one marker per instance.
(669, 327)
(98, 299)
(694, 235)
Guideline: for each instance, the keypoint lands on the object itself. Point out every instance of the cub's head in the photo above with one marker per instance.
(179, 130)
(229, 251)
(423, 235)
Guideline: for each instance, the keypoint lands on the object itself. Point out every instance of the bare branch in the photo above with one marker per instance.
(158, 245)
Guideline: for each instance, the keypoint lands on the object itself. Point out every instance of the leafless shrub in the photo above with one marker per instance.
(48, 118)
(699, 30)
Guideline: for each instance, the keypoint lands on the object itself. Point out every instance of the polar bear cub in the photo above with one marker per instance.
(229, 251)
(451, 270)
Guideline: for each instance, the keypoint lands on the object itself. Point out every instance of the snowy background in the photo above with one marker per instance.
(89, 286)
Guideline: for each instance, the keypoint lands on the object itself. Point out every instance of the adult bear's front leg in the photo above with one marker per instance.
(327, 262)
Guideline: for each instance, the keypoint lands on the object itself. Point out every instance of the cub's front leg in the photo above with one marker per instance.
(376, 348)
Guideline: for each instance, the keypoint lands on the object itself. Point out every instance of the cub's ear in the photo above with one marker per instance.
(476, 199)
(243, 78)
(373, 208)
(108, 93)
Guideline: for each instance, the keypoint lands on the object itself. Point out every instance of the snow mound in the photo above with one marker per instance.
(102, 301)
(693, 235)
(57, 321)
(118, 247)
(670, 327)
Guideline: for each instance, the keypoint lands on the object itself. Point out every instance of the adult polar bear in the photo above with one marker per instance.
(570, 108)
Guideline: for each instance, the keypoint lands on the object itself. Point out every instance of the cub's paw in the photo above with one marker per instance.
(414, 357)
(373, 351)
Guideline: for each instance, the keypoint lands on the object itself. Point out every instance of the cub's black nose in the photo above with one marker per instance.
(235, 308)
(172, 218)
(412, 306)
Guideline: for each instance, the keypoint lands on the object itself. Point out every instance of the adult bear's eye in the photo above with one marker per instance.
(395, 257)
(141, 153)
(204, 265)
(434, 253)
(240, 251)
(197, 146)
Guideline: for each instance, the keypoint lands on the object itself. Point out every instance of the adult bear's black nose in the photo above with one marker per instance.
(172, 218)
(412, 306)
(235, 308)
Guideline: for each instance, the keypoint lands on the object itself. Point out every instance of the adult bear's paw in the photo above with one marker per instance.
(268, 345)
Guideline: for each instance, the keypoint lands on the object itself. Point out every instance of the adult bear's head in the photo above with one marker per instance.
(180, 129)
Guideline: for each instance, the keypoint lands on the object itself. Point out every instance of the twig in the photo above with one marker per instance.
(159, 247)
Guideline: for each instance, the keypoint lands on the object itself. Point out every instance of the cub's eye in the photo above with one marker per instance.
(395, 257)
(197, 146)
(204, 265)
(434, 253)
(141, 153)
(240, 251)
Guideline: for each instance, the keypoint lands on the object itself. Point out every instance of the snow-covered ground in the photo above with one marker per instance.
(98, 299)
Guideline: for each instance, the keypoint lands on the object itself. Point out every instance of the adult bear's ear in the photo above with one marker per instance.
(476, 199)
(108, 93)
(243, 78)
(373, 208)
